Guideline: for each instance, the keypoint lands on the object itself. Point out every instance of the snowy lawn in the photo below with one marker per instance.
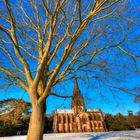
(118, 135)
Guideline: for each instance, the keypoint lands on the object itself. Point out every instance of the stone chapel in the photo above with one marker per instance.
(79, 119)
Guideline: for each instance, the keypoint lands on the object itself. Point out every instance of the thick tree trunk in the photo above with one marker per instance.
(36, 126)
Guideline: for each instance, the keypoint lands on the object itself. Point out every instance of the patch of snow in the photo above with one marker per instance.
(13, 138)
(114, 135)
(93, 110)
(64, 111)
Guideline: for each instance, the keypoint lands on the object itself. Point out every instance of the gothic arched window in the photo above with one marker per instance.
(90, 118)
(69, 119)
(99, 117)
(64, 119)
(84, 120)
(59, 119)
(95, 118)
(99, 125)
(72, 117)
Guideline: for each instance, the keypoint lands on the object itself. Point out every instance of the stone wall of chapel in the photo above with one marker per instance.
(78, 119)
(82, 122)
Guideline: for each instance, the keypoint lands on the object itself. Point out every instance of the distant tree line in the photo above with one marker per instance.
(15, 116)
(21, 129)
(120, 122)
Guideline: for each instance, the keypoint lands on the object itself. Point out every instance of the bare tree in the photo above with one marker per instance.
(45, 42)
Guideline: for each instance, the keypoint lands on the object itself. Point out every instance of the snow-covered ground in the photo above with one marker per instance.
(120, 135)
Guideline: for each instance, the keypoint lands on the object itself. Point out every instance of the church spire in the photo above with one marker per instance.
(76, 91)
(77, 101)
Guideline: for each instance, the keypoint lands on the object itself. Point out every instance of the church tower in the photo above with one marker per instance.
(77, 101)
(78, 119)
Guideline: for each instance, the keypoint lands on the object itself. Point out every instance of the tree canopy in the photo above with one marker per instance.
(50, 41)
(12, 110)
(46, 42)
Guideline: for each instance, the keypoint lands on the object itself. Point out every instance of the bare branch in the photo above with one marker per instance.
(16, 45)
(60, 96)
(46, 7)
(79, 10)
(21, 83)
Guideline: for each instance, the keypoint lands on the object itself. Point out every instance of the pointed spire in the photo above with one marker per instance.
(76, 88)
(77, 101)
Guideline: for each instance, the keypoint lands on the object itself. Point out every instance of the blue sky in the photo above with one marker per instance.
(112, 102)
